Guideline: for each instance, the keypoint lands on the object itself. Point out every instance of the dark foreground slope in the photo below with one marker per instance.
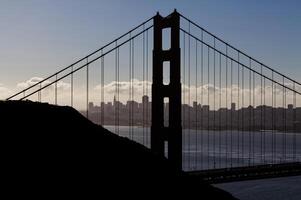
(49, 150)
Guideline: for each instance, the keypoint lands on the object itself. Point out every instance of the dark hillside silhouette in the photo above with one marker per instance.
(52, 150)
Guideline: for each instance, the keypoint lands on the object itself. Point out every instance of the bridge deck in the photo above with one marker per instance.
(248, 173)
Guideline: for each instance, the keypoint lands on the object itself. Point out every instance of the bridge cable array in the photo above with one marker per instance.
(255, 131)
(236, 111)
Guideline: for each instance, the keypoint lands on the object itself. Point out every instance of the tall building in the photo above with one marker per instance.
(91, 106)
(145, 100)
(102, 106)
(114, 101)
(146, 106)
(233, 107)
(109, 107)
(206, 108)
(132, 105)
(195, 104)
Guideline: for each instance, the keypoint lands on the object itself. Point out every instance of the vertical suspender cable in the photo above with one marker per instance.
(208, 111)
(184, 95)
(284, 135)
(115, 95)
(40, 92)
(71, 86)
(227, 110)
(102, 89)
(283, 121)
(261, 115)
(118, 92)
(273, 123)
(147, 105)
(264, 122)
(285, 125)
(253, 116)
(250, 110)
(55, 92)
(220, 104)
(242, 114)
(294, 122)
(238, 110)
(87, 88)
(213, 110)
(202, 102)
(231, 117)
(196, 107)
(130, 86)
(143, 85)
(189, 146)
(133, 95)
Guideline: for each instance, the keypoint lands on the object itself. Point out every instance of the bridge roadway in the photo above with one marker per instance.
(224, 175)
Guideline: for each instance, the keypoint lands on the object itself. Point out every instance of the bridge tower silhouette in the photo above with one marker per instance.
(172, 134)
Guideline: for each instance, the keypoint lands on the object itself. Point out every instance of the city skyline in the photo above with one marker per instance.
(232, 105)
(199, 116)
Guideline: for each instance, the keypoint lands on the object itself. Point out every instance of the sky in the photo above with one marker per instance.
(39, 37)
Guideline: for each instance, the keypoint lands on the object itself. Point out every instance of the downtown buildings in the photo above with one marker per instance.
(199, 116)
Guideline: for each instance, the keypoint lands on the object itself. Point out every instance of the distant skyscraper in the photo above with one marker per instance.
(91, 106)
(132, 105)
(109, 107)
(195, 104)
(146, 109)
(233, 107)
(206, 108)
(114, 101)
(145, 100)
(102, 105)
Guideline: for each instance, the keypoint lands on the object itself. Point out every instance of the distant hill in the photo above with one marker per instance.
(53, 151)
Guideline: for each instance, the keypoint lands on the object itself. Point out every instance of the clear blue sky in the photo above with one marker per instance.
(38, 37)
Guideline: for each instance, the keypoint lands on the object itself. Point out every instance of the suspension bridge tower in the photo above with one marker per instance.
(167, 136)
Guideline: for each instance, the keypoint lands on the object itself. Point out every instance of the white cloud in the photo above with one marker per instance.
(4, 91)
(60, 84)
(136, 87)
(192, 93)
(48, 92)
(124, 86)
(141, 88)
(30, 82)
